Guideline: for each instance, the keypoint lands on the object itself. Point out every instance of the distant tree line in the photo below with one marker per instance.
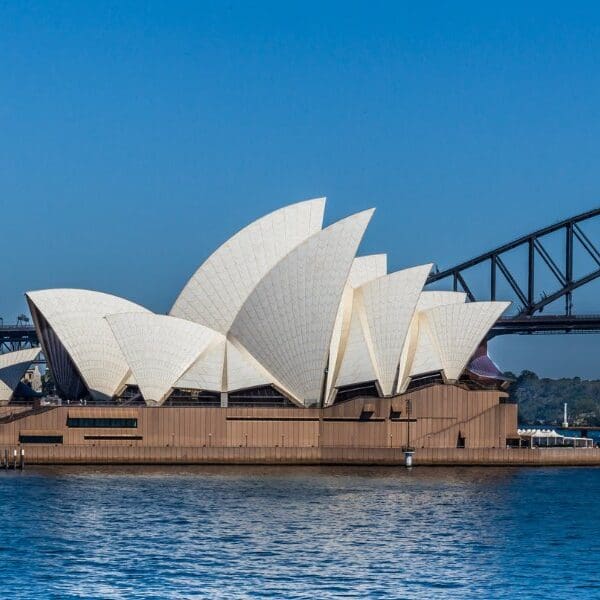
(541, 400)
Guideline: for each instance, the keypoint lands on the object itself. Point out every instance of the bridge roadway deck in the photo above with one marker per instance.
(509, 325)
(546, 324)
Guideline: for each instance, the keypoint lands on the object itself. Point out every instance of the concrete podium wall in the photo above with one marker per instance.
(362, 429)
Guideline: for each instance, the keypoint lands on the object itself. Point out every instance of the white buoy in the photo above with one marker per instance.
(408, 459)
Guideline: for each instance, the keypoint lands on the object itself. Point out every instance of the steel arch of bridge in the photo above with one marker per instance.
(529, 319)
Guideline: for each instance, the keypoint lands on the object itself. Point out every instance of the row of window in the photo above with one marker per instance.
(58, 439)
(89, 422)
(118, 422)
(40, 439)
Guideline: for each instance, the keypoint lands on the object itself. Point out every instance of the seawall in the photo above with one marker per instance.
(129, 455)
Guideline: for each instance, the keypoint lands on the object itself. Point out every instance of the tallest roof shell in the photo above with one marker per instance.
(216, 292)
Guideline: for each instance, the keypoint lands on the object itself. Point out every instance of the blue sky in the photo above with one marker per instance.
(135, 137)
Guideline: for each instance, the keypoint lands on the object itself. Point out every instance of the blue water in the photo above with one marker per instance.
(226, 532)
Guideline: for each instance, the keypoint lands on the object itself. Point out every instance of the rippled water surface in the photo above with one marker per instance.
(225, 532)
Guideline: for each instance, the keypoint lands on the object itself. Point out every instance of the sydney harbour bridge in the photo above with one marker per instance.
(539, 272)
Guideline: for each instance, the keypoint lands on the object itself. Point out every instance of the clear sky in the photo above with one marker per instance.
(135, 137)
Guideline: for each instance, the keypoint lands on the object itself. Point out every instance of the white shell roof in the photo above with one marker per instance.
(243, 371)
(12, 368)
(338, 337)
(215, 293)
(159, 349)
(429, 299)
(364, 269)
(77, 318)
(458, 329)
(357, 364)
(287, 321)
(390, 304)
(280, 303)
(426, 358)
(206, 372)
(367, 268)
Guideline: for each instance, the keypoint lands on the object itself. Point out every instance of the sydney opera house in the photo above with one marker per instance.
(284, 343)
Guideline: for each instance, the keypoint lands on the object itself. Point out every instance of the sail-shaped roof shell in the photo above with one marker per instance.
(215, 293)
(389, 304)
(77, 318)
(159, 349)
(458, 330)
(425, 356)
(206, 372)
(288, 320)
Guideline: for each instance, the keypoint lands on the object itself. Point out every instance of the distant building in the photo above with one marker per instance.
(13, 366)
(33, 378)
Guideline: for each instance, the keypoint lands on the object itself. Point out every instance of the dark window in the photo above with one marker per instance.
(130, 396)
(265, 396)
(181, 397)
(41, 439)
(424, 380)
(116, 422)
(395, 412)
(363, 390)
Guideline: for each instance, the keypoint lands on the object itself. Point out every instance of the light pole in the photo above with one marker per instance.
(408, 413)
(408, 452)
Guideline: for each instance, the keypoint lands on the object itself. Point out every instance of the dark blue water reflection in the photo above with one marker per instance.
(300, 533)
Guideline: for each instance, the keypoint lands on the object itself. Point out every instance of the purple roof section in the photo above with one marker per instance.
(482, 365)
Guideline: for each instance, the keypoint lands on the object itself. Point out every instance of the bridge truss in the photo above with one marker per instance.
(529, 318)
(17, 337)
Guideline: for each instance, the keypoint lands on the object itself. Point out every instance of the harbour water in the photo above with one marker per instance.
(274, 532)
